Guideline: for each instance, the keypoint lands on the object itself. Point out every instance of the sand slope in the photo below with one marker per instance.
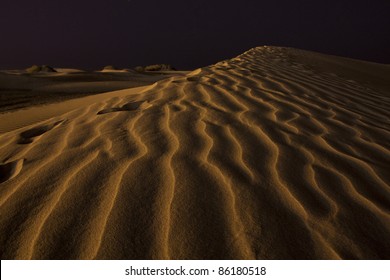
(19, 90)
(269, 155)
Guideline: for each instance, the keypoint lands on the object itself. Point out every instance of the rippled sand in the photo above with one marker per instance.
(275, 154)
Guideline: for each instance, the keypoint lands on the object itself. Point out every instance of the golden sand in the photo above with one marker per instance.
(275, 154)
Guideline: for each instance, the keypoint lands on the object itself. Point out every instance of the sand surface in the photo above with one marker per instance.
(19, 89)
(275, 154)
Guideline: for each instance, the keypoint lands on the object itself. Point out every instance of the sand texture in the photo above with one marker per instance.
(275, 154)
(19, 89)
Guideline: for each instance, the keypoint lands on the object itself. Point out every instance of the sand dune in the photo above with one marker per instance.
(269, 155)
(34, 114)
(19, 90)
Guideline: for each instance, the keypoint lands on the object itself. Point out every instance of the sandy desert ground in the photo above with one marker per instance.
(41, 88)
(275, 154)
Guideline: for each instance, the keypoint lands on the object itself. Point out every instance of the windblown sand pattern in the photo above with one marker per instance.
(263, 156)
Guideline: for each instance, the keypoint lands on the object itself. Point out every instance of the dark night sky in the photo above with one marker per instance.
(187, 34)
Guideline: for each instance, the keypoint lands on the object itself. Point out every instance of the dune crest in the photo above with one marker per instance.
(269, 155)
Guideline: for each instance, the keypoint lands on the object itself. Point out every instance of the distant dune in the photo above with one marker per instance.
(39, 86)
(275, 154)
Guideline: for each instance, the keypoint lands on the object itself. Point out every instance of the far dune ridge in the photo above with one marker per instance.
(275, 154)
